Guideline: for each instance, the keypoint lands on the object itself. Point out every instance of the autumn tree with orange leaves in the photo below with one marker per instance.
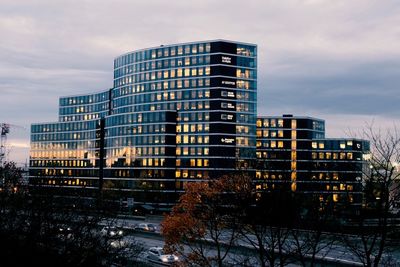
(204, 225)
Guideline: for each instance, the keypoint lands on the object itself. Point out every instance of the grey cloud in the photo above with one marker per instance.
(315, 56)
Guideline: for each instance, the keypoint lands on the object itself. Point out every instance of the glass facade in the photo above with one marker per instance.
(293, 154)
(176, 114)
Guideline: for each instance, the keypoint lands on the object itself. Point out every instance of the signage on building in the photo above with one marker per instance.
(227, 105)
(228, 140)
(226, 59)
(227, 117)
(358, 145)
(228, 94)
(224, 82)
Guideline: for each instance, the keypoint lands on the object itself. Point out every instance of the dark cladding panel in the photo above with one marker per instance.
(223, 71)
(223, 47)
(229, 128)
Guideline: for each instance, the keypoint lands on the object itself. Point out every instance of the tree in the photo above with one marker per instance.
(310, 240)
(206, 218)
(381, 180)
(44, 230)
(267, 225)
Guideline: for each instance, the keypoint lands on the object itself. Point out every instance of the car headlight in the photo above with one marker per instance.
(120, 232)
(112, 233)
(176, 258)
(164, 259)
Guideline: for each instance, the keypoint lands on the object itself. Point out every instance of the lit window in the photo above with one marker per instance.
(179, 72)
(294, 187)
(187, 61)
(350, 143)
(314, 144)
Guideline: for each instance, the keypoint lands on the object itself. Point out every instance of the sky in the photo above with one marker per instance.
(336, 60)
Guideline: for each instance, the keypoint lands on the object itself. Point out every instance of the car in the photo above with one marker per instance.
(112, 231)
(64, 231)
(148, 227)
(156, 254)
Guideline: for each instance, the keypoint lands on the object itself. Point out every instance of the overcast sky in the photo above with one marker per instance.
(338, 60)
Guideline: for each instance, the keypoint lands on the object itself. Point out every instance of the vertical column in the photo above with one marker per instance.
(294, 156)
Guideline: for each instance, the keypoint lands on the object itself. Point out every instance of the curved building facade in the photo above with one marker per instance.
(176, 114)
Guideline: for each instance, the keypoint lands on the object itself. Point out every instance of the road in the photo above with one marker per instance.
(332, 256)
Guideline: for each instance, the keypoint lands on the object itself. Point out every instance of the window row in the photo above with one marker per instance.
(135, 140)
(162, 52)
(62, 163)
(148, 117)
(161, 96)
(84, 109)
(329, 155)
(192, 174)
(131, 152)
(87, 99)
(192, 151)
(65, 136)
(64, 154)
(192, 162)
(161, 64)
(268, 133)
(63, 127)
(135, 162)
(83, 117)
(65, 145)
(163, 75)
(270, 123)
(192, 139)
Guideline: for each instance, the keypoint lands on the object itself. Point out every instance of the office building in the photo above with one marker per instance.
(294, 155)
(175, 114)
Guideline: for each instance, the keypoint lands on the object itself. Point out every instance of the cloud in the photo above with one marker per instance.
(315, 57)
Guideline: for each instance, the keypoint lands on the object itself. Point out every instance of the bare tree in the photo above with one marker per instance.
(45, 230)
(372, 243)
(310, 241)
(267, 226)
